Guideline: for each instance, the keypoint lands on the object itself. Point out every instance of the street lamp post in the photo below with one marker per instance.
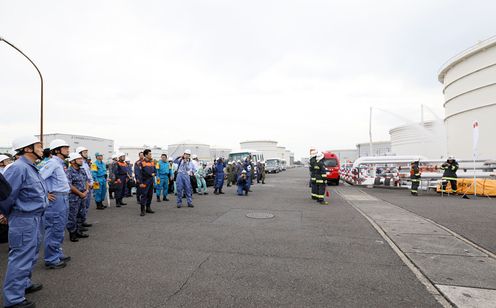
(41, 79)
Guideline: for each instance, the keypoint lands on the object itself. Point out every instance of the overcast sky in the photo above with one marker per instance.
(304, 73)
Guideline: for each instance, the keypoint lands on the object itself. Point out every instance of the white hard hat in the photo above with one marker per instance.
(320, 156)
(451, 157)
(194, 156)
(22, 142)
(120, 154)
(3, 157)
(115, 156)
(58, 143)
(229, 163)
(187, 151)
(244, 171)
(74, 156)
(81, 149)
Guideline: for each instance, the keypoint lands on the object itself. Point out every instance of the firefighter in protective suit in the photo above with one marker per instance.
(320, 179)
(415, 177)
(450, 167)
(313, 163)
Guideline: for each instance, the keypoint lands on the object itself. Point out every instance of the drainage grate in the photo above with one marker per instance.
(260, 215)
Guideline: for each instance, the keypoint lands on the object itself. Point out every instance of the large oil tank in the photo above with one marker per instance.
(469, 81)
(425, 139)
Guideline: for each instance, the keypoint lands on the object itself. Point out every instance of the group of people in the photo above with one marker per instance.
(43, 192)
(450, 167)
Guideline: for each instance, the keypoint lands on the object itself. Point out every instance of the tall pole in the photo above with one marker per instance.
(41, 79)
(370, 133)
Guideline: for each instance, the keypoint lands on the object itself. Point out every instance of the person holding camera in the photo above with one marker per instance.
(185, 168)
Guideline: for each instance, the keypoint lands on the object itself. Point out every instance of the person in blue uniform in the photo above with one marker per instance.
(83, 213)
(99, 174)
(219, 175)
(146, 179)
(24, 208)
(163, 175)
(183, 183)
(55, 219)
(77, 197)
(242, 184)
(120, 172)
(248, 166)
(137, 168)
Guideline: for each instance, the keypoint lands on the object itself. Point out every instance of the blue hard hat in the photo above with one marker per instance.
(98, 154)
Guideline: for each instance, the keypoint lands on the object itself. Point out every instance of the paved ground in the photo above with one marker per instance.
(474, 219)
(213, 255)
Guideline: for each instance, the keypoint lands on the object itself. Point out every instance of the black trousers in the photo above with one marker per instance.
(415, 185)
(314, 190)
(321, 187)
(453, 184)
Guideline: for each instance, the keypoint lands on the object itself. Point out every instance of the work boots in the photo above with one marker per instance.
(149, 210)
(215, 192)
(142, 210)
(73, 237)
(158, 199)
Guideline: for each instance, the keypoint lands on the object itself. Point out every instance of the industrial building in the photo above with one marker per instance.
(132, 152)
(379, 148)
(198, 148)
(469, 81)
(270, 149)
(94, 144)
(346, 155)
(426, 139)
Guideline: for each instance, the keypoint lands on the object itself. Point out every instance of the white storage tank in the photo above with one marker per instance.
(469, 81)
(426, 139)
(267, 147)
(198, 148)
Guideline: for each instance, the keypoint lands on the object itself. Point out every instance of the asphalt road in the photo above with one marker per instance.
(474, 218)
(212, 255)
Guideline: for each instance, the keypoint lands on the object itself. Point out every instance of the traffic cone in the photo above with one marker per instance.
(328, 194)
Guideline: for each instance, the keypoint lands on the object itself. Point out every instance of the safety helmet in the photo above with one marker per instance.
(313, 152)
(451, 157)
(120, 154)
(25, 141)
(98, 154)
(114, 156)
(194, 156)
(319, 156)
(187, 151)
(74, 156)
(58, 143)
(81, 149)
(244, 171)
(3, 157)
(229, 163)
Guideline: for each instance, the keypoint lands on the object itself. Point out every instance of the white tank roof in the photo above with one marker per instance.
(481, 46)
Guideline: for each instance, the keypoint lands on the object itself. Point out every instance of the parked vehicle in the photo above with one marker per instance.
(331, 161)
(256, 156)
(273, 165)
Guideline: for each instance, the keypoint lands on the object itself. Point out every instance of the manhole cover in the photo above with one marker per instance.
(260, 215)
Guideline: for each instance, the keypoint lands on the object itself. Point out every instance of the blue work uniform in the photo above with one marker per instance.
(99, 173)
(87, 202)
(247, 166)
(219, 175)
(137, 175)
(147, 173)
(183, 182)
(120, 171)
(56, 213)
(24, 209)
(163, 174)
(243, 186)
(77, 178)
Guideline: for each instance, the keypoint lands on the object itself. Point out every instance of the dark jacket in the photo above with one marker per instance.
(5, 188)
(450, 170)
